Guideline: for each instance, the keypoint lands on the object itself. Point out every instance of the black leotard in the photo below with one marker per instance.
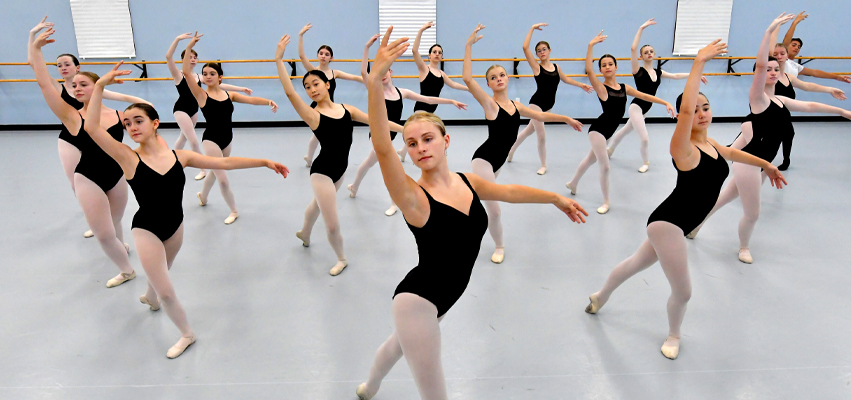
(695, 194)
(331, 89)
(613, 108)
(394, 112)
(430, 86)
(335, 138)
(644, 84)
(160, 199)
(448, 245)
(545, 96)
(186, 100)
(63, 133)
(94, 163)
(769, 128)
(782, 90)
(502, 133)
(219, 116)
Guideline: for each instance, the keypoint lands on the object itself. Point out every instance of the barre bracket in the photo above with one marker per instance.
(730, 64)
(144, 69)
(292, 65)
(660, 63)
(516, 64)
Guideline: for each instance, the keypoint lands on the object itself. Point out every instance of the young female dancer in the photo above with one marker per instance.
(186, 108)
(158, 225)
(325, 55)
(393, 99)
(68, 66)
(701, 165)
(503, 116)
(332, 124)
(547, 77)
(217, 106)
(444, 212)
(612, 97)
(647, 80)
(768, 123)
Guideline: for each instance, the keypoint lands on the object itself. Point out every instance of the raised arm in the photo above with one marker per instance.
(307, 114)
(736, 155)
(817, 73)
(126, 98)
(589, 67)
(680, 75)
(120, 152)
(530, 55)
(630, 91)
(633, 50)
(364, 62)
(304, 60)
(520, 194)
(791, 32)
(813, 107)
(682, 150)
(814, 87)
(176, 73)
(33, 34)
(408, 94)
(757, 97)
(547, 116)
(199, 94)
(573, 82)
(488, 103)
(255, 101)
(422, 68)
(67, 114)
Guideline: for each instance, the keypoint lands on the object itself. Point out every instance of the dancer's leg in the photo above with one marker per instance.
(186, 124)
(484, 169)
(670, 246)
(212, 150)
(325, 195)
(787, 150)
(419, 337)
(69, 156)
(100, 217)
(526, 132)
(364, 167)
(598, 146)
(117, 203)
(636, 118)
(311, 149)
(728, 194)
(644, 257)
(749, 183)
(586, 162)
(620, 134)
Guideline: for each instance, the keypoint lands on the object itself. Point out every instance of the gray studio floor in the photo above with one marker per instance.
(271, 322)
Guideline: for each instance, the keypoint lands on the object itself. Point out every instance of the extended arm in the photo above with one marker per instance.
(757, 97)
(813, 107)
(530, 56)
(408, 94)
(589, 68)
(67, 114)
(364, 62)
(199, 94)
(787, 40)
(234, 88)
(257, 101)
(630, 91)
(817, 73)
(680, 75)
(307, 114)
(814, 87)
(176, 73)
(347, 76)
(452, 84)
(487, 103)
(126, 98)
(304, 60)
(633, 50)
(195, 160)
(422, 68)
(362, 117)
(120, 152)
(570, 81)
(520, 194)
(736, 155)
(33, 34)
(547, 116)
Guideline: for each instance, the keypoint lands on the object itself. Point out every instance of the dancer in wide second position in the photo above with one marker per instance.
(612, 97)
(502, 131)
(444, 212)
(701, 165)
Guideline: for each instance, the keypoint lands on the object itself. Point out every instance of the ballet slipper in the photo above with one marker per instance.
(511, 157)
(87, 234)
(498, 255)
(144, 300)
(644, 168)
(201, 175)
(572, 188)
(308, 161)
(231, 218)
(603, 209)
(671, 351)
(362, 393)
(693, 233)
(120, 279)
(179, 347)
(304, 242)
(339, 267)
(542, 171)
(745, 256)
(610, 151)
(391, 211)
(201, 200)
(352, 191)
(594, 306)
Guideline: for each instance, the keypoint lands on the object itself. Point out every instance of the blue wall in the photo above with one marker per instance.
(250, 30)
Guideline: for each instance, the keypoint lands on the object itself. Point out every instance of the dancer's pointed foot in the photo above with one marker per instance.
(594, 306)
(644, 168)
(87, 234)
(363, 393)
(572, 188)
(603, 209)
(308, 161)
(339, 267)
(745, 256)
(610, 151)
(391, 211)
(179, 347)
(498, 255)
(201, 175)
(121, 278)
(671, 348)
(510, 156)
(202, 200)
(305, 240)
(542, 170)
(144, 300)
(231, 218)
(353, 191)
(693, 233)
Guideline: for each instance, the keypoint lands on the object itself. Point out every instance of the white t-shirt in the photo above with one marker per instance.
(793, 68)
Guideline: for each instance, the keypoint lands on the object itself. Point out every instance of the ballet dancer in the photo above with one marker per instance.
(68, 66)
(768, 123)
(332, 124)
(612, 97)
(325, 55)
(186, 108)
(158, 225)
(217, 106)
(547, 77)
(444, 212)
(502, 131)
(99, 185)
(394, 112)
(647, 80)
(701, 165)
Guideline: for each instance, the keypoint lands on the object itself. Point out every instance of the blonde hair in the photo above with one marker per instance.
(492, 67)
(91, 75)
(428, 118)
(781, 45)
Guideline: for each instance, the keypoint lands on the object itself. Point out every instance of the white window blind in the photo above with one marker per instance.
(407, 17)
(103, 28)
(699, 22)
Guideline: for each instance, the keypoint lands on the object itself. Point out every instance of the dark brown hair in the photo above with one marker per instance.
(73, 58)
(183, 53)
(327, 47)
(600, 61)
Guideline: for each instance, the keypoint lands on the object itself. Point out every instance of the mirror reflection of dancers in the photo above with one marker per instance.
(158, 224)
(186, 108)
(547, 77)
(217, 106)
(647, 80)
(764, 128)
(612, 96)
(502, 131)
(701, 165)
(444, 212)
(393, 97)
(325, 55)
(332, 125)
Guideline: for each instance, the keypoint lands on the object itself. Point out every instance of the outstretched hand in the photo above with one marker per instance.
(576, 125)
(711, 51)
(837, 93)
(671, 111)
(278, 168)
(273, 105)
(111, 76)
(573, 210)
(844, 78)
(651, 21)
(282, 46)
(474, 37)
(44, 38)
(587, 88)
(41, 25)
(776, 177)
(598, 39)
(388, 53)
(460, 105)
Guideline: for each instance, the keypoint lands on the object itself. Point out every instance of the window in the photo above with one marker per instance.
(103, 28)
(407, 17)
(699, 22)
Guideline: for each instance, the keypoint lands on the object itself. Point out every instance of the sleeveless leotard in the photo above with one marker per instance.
(160, 199)
(613, 108)
(782, 90)
(769, 128)
(502, 133)
(644, 84)
(695, 194)
(394, 112)
(333, 86)
(186, 100)
(335, 138)
(448, 245)
(430, 86)
(545, 96)
(63, 133)
(94, 163)
(219, 116)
